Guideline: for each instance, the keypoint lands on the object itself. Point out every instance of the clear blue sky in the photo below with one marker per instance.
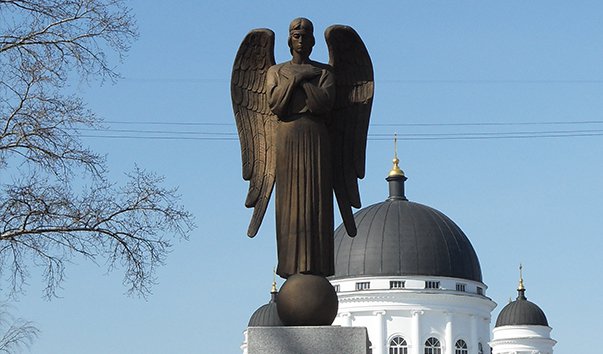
(535, 200)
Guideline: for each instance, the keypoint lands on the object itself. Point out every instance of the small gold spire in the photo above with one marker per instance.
(521, 287)
(396, 171)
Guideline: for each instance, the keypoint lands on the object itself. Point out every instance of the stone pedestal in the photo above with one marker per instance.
(307, 340)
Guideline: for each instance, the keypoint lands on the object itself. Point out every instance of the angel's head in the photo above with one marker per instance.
(301, 36)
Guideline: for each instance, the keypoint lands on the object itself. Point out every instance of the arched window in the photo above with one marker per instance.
(480, 348)
(397, 345)
(460, 347)
(432, 346)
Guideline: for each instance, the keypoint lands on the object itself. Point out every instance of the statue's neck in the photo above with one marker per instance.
(300, 59)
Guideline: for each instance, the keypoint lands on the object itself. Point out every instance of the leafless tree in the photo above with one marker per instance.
(18, 333)
(47, 216)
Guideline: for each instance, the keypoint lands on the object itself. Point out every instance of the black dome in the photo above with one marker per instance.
(521, 312)
(266, 315)
(399, 237)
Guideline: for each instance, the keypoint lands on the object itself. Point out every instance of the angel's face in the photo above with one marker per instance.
(301, 42)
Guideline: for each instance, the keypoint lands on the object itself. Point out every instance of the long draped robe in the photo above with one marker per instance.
(304, 183)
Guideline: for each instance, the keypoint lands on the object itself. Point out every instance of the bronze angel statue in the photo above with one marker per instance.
(303, 126)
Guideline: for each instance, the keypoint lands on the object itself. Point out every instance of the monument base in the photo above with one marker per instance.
(307, 340)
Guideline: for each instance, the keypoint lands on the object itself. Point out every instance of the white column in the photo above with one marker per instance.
(245, 344)
(379, 340)
(485, 334)
(473, 334)
(416, 345)
(346, 318)
(449, 346)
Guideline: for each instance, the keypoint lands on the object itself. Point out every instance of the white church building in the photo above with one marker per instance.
(413, 279)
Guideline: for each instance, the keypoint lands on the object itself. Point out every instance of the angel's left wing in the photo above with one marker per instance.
(354, 82)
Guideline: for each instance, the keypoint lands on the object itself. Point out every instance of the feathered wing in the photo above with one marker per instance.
(350, 118)
(256, 124)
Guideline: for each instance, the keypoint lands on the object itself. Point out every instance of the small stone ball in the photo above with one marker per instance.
(307, 300)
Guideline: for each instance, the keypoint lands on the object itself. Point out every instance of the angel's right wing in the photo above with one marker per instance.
(256, 124)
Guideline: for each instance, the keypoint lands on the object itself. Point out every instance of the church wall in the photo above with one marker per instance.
(522, 339)
(416, 314)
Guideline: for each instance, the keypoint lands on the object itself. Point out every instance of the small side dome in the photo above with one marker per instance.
(521, 312)
(266, 315)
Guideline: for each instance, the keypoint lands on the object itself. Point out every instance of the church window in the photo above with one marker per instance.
(480, 290)
(397, 345)
(364, 285)
(429, 284)
(480, 348)
(460, 347)
(432, 346)
(460, 287)
(336, 287)
(396, 284)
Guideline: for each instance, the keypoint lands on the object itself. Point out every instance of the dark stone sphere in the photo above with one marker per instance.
(307, 300)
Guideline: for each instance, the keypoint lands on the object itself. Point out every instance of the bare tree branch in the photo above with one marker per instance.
(17, 333)
(127, 226)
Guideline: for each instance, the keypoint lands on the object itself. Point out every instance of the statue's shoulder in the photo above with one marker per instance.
(322, 66)
(276, 68)
(279, 66)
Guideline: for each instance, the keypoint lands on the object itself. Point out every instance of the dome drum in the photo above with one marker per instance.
(410, 283)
